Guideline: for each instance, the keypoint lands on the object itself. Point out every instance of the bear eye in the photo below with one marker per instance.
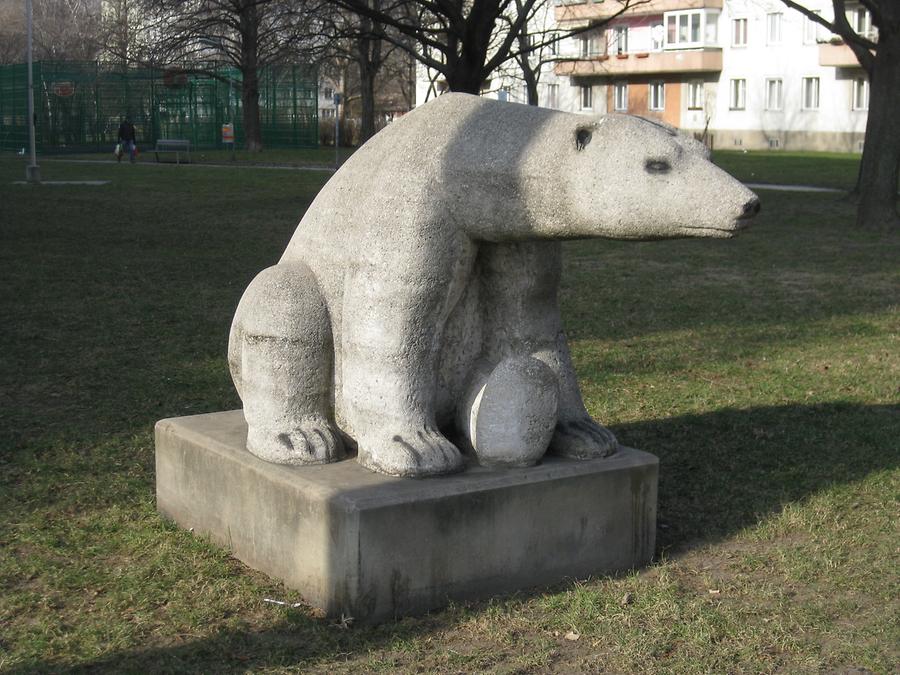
(657, 166)
(582, 138)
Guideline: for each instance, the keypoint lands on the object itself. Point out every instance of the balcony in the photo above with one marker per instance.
(840, 56)
(582, 13)
(653, 63)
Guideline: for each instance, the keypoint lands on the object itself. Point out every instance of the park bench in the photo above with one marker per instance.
(181, 148)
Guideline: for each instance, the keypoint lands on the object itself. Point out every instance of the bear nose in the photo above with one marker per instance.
(751, 208)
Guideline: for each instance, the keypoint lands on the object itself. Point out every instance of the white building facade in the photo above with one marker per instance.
(742, 74)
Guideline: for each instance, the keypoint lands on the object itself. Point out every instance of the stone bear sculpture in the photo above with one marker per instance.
(433, 255)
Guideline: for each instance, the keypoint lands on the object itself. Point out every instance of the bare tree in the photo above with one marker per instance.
(121, 28)
(66, 29)
(378, 63)
(12, 32)
(63, 30)
(463, 40)
(879, 171)
(538, 44)
(247, 34)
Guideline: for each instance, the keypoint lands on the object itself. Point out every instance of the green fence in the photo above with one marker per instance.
(79, 105)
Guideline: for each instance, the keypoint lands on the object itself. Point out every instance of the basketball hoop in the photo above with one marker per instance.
(174, 79)
(62, 89)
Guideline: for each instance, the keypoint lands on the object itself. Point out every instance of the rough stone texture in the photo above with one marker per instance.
(374, 547)
(509, 413)
(435, 248)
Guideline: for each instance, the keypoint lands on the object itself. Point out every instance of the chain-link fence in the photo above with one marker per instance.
(79, 105)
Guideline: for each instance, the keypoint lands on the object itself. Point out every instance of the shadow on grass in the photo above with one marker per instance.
(729, 469)
(720, 472)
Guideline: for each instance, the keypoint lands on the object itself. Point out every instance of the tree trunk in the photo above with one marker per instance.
(368, 58)
(465, 70)
(531, 86)
(249, 21)
(530, 74)
(466, 73)
(367, 104)
(880, 164)
(465, 78)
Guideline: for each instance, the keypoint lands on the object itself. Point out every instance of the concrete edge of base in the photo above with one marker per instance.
(359, 544)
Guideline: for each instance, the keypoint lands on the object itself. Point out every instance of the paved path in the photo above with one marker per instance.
(282, 167)
(791, 188)
(65, 182)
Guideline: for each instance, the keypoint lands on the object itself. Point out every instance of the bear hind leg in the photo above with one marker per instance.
(280, 353)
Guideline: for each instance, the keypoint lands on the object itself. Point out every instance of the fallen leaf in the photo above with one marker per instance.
(627, 599)
(572, 636)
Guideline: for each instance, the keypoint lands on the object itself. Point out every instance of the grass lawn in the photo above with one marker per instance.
(764, 372)
(834, 170)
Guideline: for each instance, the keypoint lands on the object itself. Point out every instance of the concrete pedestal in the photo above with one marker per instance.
(374, 547)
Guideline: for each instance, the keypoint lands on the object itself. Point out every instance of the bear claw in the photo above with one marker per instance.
(313, 441)
(416, 454)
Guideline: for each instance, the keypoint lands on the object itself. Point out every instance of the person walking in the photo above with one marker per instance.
(127, 140)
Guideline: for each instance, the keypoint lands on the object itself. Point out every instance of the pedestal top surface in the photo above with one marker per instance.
(227, 433)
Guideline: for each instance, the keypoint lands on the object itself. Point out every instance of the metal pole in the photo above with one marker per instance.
(32, 171)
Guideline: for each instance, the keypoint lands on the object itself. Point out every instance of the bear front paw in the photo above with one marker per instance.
(582, 439)
(410, 453)
(313, 441)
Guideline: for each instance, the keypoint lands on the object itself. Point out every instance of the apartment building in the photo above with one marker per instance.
(749, 74)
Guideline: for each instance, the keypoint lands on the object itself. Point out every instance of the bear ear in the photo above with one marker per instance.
(583, 135)
(582, 138)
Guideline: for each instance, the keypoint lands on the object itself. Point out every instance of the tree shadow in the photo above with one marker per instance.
(720, 472)
(726, 470)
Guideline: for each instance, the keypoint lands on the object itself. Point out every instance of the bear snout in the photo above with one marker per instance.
(751, 208)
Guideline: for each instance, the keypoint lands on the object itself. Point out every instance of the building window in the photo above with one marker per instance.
(621, 38)
(554, 44)
(810, 93)
(738, 90)
(692, 28)
(862, 23)
(739, 33)
(328, 92)
(553, 96)
(657, 96)
(683, 28)
(695, 95)
(590, 45)
(621, 96)
(773, 28)
(657, 37)
(587, 97)
(860, 94)
(811, 29)
(774, 91)
(712, 30)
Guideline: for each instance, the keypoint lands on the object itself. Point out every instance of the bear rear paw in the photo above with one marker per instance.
(582, 439)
